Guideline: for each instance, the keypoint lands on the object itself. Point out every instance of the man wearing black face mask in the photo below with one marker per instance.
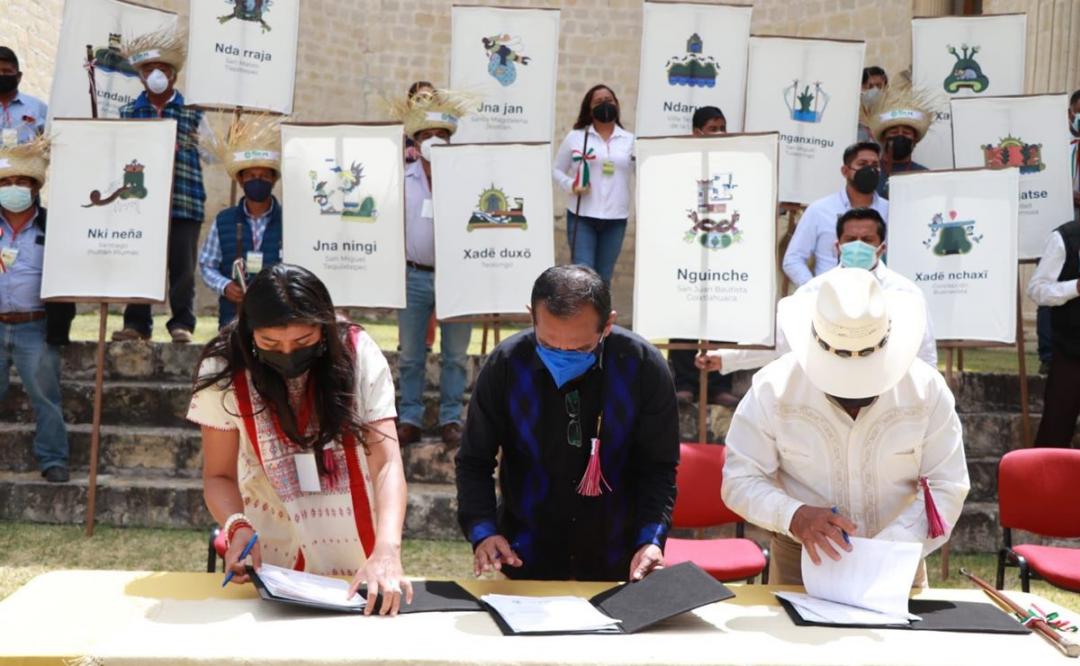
(246, 237)
(22, 117)
(815, 235)
(898, 119)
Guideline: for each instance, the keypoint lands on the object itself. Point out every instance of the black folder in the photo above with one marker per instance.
(429, 596)
(973, 617)
(662, 594)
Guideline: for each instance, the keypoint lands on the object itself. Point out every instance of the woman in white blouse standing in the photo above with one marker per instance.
(593, 165)
(297, 415)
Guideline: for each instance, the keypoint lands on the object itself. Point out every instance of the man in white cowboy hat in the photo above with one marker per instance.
(30, 330)
(158, 58)
(246, 237)
(899, 119)
(430, 118)
(860, 234)
(847, 433)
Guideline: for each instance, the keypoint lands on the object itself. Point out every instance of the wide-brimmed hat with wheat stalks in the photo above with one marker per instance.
(902, 104)
(167, 45)
(433, 109)
(251, 141)
(29, 159)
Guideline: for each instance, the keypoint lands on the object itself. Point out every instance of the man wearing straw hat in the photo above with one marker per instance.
(158, 57)
(246, 237)
(430, 118)
(30, 330)
(849, 433)
(898, 120)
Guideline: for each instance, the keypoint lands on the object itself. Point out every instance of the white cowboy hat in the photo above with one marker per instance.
(852, 338)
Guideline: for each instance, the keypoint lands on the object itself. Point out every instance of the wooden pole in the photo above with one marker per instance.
(95, 428)
(951, 380)
(703, 399)
(237, 112)
(1021, 359)
(483, 340)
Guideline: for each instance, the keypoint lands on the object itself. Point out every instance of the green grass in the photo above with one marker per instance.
(384, 331)
(27, 550)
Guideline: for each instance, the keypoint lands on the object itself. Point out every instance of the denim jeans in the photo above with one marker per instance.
(598, 242)
(38, 364)
(454, 347)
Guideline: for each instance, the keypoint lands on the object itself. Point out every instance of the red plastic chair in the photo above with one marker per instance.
(1039, 492)
(698, 505)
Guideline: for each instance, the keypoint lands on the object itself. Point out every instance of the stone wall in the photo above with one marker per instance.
(352, 52)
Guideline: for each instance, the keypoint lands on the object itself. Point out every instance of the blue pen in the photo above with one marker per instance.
(835, 511)
(247, 551)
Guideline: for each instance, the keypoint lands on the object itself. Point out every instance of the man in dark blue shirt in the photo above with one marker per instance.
(584, 416)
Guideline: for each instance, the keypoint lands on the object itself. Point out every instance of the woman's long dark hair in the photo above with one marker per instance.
(280, 295)
(584, 118)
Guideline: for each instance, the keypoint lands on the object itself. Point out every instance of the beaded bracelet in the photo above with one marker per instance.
(234, 523)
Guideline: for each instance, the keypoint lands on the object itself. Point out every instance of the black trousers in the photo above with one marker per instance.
(686, 373)
(1061, 402)
(182, 260)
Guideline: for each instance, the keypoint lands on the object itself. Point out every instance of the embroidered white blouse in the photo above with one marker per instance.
(318, 530)
(790, 445)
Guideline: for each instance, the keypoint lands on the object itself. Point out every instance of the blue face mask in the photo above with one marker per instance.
(566, 365)
(858, 254)
(16, 198)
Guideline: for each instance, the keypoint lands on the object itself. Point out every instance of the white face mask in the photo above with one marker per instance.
(425, 147)
(157, 82)
(870, 95)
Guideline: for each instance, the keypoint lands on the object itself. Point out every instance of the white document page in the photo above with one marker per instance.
(875, 576)
(301, 586)
(812, 609)
(528, 615)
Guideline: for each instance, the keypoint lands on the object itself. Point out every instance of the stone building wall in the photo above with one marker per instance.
(352, 52)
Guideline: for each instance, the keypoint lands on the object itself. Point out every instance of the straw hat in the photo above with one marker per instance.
(251, 141)
(439, 109)
(168, 45)
(853, 339)
(902, 105)
(25, 159)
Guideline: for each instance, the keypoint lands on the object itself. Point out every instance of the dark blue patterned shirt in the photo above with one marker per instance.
(517, 411)
(188, 195)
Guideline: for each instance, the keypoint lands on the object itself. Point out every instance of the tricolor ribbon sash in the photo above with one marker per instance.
(582, 160)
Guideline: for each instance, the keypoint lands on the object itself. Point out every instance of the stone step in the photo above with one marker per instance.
(178, 503)
(140, 451)
(998, 392)
(166, 362)
(139, 403)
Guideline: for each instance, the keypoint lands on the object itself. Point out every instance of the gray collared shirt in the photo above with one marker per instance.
(20, 284)
(25, 115)
(419, 225)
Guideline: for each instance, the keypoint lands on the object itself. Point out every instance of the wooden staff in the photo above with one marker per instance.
(1021, 359)
(99, 356)
(703, 397)
(1041, 627)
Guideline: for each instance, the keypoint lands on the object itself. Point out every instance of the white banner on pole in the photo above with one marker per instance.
(1028, 132)
(110, 189)
(706, 236)
(692, 55)
(103, 25)
(494, 229)
(244, 52)
(953, 233)
(808, 91)
(344, 201)
(510, 57)
(964, 56)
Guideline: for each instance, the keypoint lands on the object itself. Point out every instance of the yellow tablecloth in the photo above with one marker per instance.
(123, 617)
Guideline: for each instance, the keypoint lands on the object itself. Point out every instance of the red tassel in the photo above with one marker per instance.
(328, 459)
(938, 526)
(590, 485)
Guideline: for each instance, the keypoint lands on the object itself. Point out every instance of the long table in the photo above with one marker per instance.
(124, 617)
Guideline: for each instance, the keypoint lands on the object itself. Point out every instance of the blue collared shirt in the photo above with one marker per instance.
(26, 115)
(20, 284)
(815, 235)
